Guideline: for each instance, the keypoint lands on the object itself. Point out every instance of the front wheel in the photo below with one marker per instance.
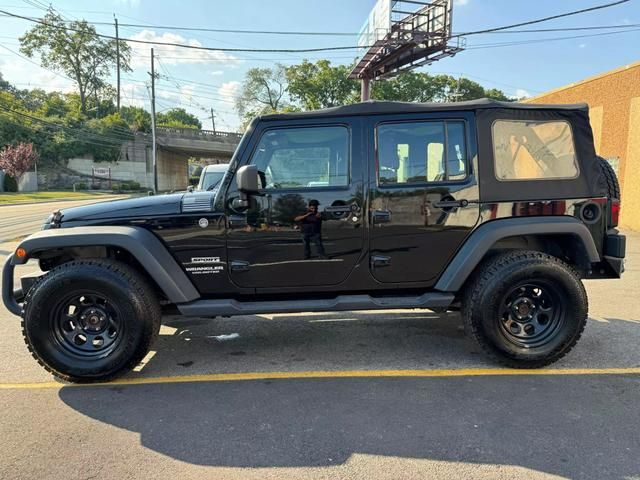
(90, 320)
(526, 309)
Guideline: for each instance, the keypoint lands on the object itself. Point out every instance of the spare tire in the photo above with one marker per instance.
(613, 186)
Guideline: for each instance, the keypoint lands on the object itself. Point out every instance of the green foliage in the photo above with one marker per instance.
(310, 86)
(128, 186)
(138, 119)
(319, 85)
(263, 91)
(177, 117)
(77, 51)
(81, 186)
(109, 129)
(10, 184)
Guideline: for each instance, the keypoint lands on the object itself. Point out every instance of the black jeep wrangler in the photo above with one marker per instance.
(495, 209)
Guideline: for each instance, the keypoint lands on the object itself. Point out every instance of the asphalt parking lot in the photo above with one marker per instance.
(399, 394)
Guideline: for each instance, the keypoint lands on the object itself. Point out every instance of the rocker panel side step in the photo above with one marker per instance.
(227, 307)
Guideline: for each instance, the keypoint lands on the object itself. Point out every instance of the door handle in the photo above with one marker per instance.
(380, 261)
(451, 204)
(381, 216)
(239, 266)
(342, 208)
(237, 221)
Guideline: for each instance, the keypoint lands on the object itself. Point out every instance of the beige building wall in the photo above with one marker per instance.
(614, 108)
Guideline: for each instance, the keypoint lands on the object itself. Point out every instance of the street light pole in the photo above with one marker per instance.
(153, 125)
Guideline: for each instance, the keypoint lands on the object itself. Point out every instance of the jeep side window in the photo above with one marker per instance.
(308, 157)
(419, 152)
(525, 150)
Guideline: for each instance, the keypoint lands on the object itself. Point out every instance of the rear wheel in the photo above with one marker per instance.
(90, 320)
(526, 309)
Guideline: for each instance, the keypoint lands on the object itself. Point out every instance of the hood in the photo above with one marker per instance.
(131, 207)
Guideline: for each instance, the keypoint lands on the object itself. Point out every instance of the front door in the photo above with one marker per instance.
(306, 227)
(424, 194)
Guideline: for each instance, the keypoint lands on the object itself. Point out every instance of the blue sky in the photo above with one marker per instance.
(203, 80)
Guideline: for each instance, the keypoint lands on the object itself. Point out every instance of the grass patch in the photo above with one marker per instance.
(36, 197)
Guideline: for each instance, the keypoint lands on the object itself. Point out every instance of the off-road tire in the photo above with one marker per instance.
(484, 303)
(128, 291)
(613, 186)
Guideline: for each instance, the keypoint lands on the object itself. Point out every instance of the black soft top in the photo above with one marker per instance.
(374, 107)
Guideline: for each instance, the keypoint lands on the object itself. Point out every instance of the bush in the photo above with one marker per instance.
(10, 184)
(127, 186)
(81, 186)
(194, 180)
(95, 186)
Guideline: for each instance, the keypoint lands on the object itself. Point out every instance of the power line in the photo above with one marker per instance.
(319, 49)
(544, 40)
(540, 20)
(220, 30)
(193, 47)
(569, 29)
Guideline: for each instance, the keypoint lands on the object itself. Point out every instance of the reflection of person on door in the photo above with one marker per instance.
(311, 229)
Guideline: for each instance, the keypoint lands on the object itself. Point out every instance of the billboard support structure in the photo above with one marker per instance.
(401, 35)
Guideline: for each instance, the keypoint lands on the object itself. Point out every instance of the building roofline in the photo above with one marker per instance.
(584, 81)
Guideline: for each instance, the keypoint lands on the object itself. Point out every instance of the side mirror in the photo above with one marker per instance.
(247, 179)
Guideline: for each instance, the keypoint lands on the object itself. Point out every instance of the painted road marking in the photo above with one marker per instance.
(230, 377)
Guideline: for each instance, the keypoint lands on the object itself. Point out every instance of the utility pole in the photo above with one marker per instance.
(213, 121)
(117, 62)
(153, 125)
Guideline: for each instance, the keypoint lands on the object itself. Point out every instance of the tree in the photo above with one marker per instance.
(15, 160)
(138, 119)
(77, 51)
(262, 91)
(178, 117)
(497, 94)
(412, 87)
(319, 85)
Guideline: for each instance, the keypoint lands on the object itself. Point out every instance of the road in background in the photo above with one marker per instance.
(21, 220)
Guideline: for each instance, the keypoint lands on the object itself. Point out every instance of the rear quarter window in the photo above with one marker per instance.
(533, 150)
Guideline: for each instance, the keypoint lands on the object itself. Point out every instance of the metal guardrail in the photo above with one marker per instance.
(195, 133)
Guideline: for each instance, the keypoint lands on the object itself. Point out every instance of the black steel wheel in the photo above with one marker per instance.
(526, 309)
(531, 313)
(87, 324)
(90, 320)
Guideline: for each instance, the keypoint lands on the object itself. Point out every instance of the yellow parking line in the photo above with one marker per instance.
(229, 377)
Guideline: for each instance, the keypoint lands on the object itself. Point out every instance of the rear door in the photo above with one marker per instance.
(424, 193)
(299, 163)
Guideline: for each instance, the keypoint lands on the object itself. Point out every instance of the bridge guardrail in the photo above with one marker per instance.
(196, 133)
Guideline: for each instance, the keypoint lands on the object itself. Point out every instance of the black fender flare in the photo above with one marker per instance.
(487, 234)
(148, 249)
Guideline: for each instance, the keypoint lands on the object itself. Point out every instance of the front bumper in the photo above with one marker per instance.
(9, 295)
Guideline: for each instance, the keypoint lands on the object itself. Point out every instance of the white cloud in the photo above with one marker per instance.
(215, 73)
(24, 74)
(229, 90)
(582, 45)
(461, 2)
(522, 93)
(134, 94)
(173, 55)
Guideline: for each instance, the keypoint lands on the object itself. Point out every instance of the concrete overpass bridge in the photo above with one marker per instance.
(175, 146)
